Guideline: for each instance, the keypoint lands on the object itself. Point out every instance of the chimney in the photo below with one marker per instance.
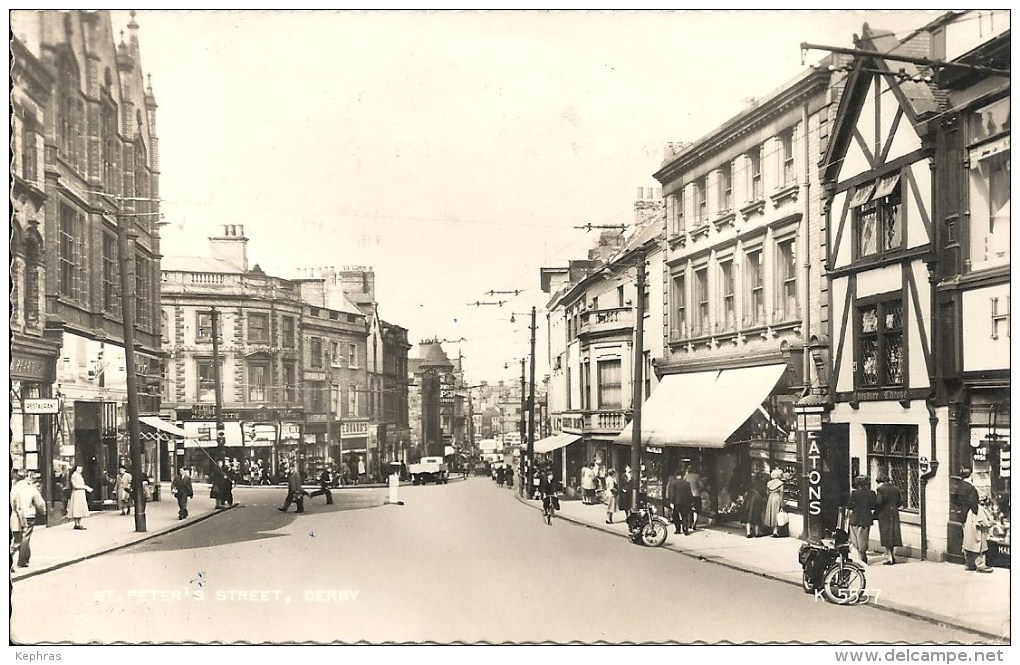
(231, 247)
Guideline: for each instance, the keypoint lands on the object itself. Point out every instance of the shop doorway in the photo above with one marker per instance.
(95, 437)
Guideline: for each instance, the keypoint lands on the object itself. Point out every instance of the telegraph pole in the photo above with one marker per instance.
(524, 431)
(638, 354)
(531, 399)
(329, 408)
(126, 248)
(221, 435)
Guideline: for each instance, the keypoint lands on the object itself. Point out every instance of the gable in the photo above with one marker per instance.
(876, 131)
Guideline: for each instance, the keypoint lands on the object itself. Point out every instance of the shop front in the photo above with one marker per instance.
(201, 451)
(727, 428)
(983, 446)
(34, 411)
(353, 451)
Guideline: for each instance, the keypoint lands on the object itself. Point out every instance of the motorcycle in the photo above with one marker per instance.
(828, 570)
(646, 527)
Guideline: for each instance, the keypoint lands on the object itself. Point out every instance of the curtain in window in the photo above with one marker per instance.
(610, 390)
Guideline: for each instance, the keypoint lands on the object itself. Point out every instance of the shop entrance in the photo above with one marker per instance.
(95, 437)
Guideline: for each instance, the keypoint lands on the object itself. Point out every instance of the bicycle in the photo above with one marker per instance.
(550, 504)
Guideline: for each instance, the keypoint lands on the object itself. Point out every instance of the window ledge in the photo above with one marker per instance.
(788, 191)
(679, 240)
(726, 218)
(752, 207)
(700, 231)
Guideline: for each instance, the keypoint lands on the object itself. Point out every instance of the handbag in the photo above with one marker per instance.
(782, 519)
(213, 492)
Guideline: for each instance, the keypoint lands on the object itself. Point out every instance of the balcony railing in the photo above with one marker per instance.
(606, 320)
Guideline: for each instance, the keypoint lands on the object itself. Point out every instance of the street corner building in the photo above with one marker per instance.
(827, 296)
(85, 173)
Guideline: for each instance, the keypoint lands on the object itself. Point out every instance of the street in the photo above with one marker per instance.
(463, 562)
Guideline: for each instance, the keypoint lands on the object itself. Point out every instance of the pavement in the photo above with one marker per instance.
(107, 531)
(943, 593)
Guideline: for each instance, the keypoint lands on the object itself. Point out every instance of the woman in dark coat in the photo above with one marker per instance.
(887, 512)
(754, 504)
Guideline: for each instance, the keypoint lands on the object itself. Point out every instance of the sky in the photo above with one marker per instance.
(455, 152)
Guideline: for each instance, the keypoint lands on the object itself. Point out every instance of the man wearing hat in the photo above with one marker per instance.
(26, 502)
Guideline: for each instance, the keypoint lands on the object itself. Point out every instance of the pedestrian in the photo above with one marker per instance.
(600, 475)
(26, 504)
(626, 482)
(122, 489)
(612, 495)
(697, 484)
(773, 502)
(361, 470)
(324, 482)
(295, 493)
(78, 505)
(681, 502)
(223, 485)
(862, 503)
(976, 525)
(587, 485)
(509, 476)
(500, 475)
(887, 512)
(182, 489)
(753, 506)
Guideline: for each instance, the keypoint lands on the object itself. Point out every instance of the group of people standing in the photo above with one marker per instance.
(762, 509)
(866, 506)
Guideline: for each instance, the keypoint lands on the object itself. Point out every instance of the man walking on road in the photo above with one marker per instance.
(26, 501)
(295, 494)
(324, 480)
(681, 501)
(182, 489)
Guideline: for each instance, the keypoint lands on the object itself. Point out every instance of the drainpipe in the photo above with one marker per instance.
(934, 372)
(805, 249)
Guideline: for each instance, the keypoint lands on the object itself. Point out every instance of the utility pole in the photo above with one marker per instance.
(126, 249)
(531, 399)
(329, 407)
(221, 435)
(524, 429)
(638, 355)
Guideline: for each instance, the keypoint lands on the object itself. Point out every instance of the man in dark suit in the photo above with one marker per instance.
(681, 502)
(324, 481)
(295, 494)
(182, 489)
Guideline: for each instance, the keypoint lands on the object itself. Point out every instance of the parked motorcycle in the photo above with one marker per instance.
(646, 527)
(829, 570)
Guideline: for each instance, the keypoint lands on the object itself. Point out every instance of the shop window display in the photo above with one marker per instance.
(991, 476)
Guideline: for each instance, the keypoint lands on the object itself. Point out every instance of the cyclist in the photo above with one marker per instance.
(548, 489)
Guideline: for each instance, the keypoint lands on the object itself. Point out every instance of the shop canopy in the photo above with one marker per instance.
(555, 442)
(162, 425)
(702, 409)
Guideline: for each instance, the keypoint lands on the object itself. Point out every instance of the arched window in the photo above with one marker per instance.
(68, 105)
(17, 270)
(33, 281)
(142, 186)
(111, 149)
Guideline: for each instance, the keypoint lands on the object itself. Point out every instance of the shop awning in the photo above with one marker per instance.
(702, 409)
(555, 442)
(162, 425)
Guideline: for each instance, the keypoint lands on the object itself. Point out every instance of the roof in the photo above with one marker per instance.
(197, 264)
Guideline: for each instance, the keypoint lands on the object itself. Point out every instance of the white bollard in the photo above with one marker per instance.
(394, 486)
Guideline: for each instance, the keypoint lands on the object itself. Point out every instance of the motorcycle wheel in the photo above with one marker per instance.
(844, 585)
(654, 534)
(806, 582)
